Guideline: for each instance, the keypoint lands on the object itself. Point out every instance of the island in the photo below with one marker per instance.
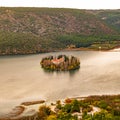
(60, 63)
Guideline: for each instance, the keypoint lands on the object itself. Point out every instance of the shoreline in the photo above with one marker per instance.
(115, 49)
(30, 108)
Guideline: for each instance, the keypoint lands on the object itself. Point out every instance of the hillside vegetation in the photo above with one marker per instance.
(103, 107)
(111, 17)
(36, 30)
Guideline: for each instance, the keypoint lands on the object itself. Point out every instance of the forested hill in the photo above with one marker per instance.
(35, 30)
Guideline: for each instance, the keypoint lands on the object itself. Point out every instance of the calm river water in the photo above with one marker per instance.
(22, 78)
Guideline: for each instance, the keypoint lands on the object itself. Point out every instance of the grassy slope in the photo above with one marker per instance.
(110, 17)
(34, 30)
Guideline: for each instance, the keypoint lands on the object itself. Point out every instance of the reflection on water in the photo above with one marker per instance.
(22, 78)
(71, 72)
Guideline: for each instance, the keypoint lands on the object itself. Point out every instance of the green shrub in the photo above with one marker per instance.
(102, 104)
(52, 117)
(44, 112)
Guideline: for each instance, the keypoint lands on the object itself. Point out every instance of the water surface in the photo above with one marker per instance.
(22, 78)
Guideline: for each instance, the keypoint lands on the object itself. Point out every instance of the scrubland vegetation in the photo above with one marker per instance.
(37, 30)
(103, 107)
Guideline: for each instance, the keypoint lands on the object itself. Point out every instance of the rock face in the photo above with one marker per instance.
(60, 63)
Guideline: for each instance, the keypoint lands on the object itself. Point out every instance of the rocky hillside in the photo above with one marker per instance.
(34, 30)
(110, 17)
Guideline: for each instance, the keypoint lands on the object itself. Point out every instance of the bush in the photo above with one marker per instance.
(44, 112)
(102, 104)
(52, 117)
(75, 106)
(66, 116)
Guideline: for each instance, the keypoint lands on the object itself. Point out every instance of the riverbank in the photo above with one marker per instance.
(94, 105)
(117, 49)
(90, 104)
(114, 49)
